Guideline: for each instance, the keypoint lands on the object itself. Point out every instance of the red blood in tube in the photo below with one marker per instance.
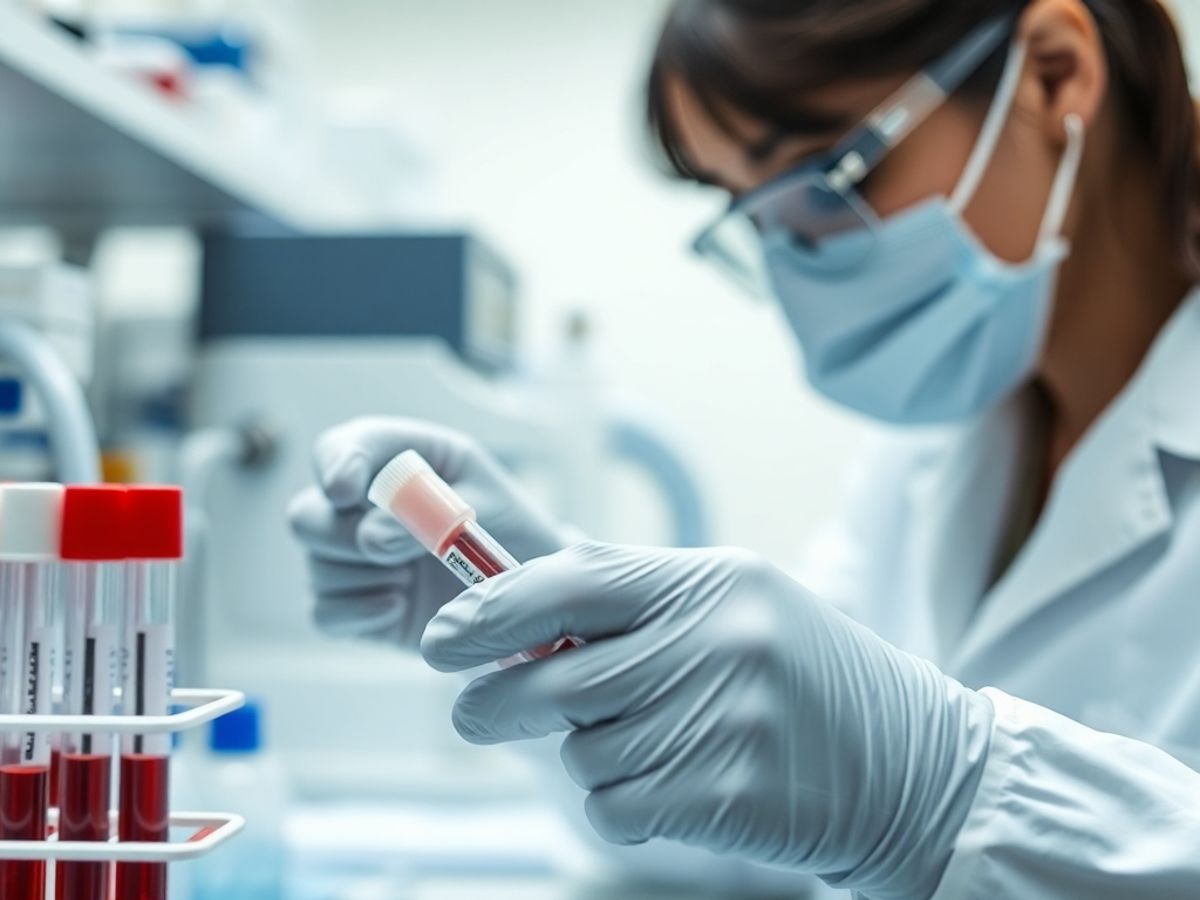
(145, 816)
(489, 567)
(86, 780)
(24, 795)
(55, 773)
(478, 556)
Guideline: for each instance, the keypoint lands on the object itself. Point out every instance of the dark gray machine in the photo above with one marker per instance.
(450, 286)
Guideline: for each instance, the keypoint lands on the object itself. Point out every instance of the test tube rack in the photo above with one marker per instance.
(207, 830)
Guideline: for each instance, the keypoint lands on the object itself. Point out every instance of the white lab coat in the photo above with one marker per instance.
(1096, 623)
(1098, 619)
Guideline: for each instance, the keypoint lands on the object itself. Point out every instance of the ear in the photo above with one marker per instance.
(1067, 57)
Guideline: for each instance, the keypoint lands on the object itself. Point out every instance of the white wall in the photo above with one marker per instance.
(1188, 12)
(530, 111)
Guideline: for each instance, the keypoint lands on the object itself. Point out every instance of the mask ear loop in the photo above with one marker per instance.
(1064, 182)
(993, 128)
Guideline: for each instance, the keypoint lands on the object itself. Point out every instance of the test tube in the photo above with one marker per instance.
(12, 629)
(93, 553)
(29, 540)
(444, 523)
(154, 544)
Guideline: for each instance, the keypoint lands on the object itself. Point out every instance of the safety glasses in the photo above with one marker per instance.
(818, 205)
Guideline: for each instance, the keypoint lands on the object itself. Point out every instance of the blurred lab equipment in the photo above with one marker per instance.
(242, 774)
(450, 286)
(46, 338)
(298, 334)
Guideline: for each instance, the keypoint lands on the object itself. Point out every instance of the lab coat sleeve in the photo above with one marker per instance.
(1066, 812)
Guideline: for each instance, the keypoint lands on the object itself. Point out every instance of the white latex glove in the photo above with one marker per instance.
(719, 704)
(370, 576)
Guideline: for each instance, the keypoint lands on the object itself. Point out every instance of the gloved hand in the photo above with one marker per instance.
(720, 704)
(370, 576)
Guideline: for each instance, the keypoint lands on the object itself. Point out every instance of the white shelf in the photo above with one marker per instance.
(82, 148)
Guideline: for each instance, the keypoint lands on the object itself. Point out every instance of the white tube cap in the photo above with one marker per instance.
(30, 522)
(414, 493)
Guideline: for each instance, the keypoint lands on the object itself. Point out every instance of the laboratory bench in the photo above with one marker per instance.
(422, 851)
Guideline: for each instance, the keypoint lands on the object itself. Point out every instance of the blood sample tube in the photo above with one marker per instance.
(444, 523)
(29, 538)
(56, 703)
(154, 544)
(12, 630)
(93, 554)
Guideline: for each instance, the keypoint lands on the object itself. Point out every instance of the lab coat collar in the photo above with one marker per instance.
(1111, 496)
(1175, 404)
(966, 497)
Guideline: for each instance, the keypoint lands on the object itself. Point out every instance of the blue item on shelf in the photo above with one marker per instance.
(11, 396)
(237, 732)
(223, 48)
(228, 47)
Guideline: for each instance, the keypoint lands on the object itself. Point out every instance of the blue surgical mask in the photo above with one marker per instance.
(931, 327)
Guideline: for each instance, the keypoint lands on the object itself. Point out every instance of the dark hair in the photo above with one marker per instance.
(762, 57)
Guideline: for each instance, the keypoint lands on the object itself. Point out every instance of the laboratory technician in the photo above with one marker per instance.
(982, 222)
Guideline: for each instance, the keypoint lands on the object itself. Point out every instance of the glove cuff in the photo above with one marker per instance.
(935, 778)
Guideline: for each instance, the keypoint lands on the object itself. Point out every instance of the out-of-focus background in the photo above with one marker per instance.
(242, 222)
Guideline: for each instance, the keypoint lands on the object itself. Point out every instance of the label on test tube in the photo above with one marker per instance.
(154, 657)
(467, 573)
(6, 660)
(36, 691)
(99, 669)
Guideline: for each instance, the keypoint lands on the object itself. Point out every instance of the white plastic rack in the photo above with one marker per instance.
(207, 830)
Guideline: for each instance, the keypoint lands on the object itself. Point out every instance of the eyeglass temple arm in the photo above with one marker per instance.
(897, 118)
(952, 71)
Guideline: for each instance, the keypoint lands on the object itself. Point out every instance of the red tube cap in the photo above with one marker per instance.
(94, 525)
(155, 522)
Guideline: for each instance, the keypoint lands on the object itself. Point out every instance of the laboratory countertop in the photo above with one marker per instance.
(422, 851)
(513, 889)
(560, 889)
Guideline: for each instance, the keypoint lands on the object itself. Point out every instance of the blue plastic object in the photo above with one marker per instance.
(11, 396)
(226, 47)
(238, 731)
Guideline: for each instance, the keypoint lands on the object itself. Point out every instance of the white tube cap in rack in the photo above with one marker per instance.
(30, 522)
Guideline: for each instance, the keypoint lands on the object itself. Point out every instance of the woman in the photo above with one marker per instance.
(979, 215)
